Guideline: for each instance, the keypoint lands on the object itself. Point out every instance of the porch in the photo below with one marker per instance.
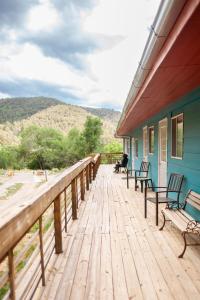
(112, 252)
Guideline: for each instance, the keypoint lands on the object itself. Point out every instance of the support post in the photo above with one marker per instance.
(65, 204)
(87, 178)
(41, 251)
(82, 186)
(58, 225)
(74, 199)
(94, 170)
(11, 274)
(90, 172)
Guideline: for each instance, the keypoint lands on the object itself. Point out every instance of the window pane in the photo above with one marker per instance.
(174, 137)
(179, 136)
(151, 140)
(136, 148)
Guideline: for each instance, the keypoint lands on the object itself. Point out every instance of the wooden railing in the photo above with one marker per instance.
(32, 231)
(111, 158)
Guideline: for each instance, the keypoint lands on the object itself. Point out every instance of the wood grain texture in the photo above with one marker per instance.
(112, 252)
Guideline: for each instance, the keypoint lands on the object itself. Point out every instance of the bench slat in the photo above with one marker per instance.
(175, 217)
(193, 199)
(194, 204)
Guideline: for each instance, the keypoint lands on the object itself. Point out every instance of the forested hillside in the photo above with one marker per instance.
(19, 113)
(15, 109)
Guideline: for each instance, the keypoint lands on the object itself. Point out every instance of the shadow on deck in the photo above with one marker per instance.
(112, 252)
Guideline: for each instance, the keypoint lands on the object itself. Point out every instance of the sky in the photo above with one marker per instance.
(83, 52)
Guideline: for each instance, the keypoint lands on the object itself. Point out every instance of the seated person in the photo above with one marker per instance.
(123, 163)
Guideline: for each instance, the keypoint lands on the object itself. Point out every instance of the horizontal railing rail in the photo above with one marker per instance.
(33, 230)
(111, 158)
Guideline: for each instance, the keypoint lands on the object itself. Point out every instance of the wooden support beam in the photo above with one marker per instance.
(93, 171)
(41, 251)
(65, 204)
(87, 178)
(90, 172)
(58, 225)
(82, 186)
(74, 199)
(11, 268)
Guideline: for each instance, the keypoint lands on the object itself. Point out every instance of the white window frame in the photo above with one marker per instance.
(151, 127)
(145, 156)
(172, 118)
(136, 141)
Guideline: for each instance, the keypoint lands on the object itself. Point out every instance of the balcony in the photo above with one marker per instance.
(89, 240)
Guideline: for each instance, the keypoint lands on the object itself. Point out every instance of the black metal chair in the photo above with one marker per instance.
(174, 186)
(140, 174)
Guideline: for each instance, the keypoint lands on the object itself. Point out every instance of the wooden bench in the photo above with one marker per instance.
(182, 219)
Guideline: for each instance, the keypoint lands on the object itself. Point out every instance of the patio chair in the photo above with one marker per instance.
(139, 175)
(174, 186)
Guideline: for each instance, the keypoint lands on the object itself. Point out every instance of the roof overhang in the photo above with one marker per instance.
(173, 72)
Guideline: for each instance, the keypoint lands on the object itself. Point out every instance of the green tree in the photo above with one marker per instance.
(113, 147)
(74, 147)
(41, 147)
(9, 158)
(91, 134)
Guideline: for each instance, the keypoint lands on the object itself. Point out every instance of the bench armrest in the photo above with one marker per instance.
(193, 227)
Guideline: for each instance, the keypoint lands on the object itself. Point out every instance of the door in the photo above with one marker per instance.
(145, 144)
(133, 152)
(162, 157)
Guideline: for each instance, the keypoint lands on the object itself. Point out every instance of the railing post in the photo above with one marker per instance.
(65, 207)
(94, 170)
(82, 186)
(41, 251)
(58, 225)
(74, 199)
(90, 172)
(87, 178)
(11, 274)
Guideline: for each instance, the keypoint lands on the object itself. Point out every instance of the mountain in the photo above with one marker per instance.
(14, 109)
(104, 113)
(19, 113)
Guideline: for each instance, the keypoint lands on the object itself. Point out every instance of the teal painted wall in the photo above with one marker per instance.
(189, 105)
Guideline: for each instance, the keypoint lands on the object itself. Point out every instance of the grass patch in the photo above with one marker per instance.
(34, 228)
(4, 290)
(20, 265)
(13, 189)
(47, 225)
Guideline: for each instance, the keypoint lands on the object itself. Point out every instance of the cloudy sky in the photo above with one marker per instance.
(83, 52)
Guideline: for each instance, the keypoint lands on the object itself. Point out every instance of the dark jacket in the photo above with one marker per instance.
(124, 160)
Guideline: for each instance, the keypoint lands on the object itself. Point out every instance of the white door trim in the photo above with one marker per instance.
(145, 157)
(165, 121)
(133, 152)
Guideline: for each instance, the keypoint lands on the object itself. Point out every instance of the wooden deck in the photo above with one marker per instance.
(112, 252)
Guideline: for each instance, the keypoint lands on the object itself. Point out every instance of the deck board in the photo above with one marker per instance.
(112, 252)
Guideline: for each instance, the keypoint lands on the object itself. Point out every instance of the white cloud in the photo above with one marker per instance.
(42, 17)
(114, 69)
(106, 82)
(3, 95)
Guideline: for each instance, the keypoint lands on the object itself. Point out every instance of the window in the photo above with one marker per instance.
(151, 140)
(145, 142)
(177, 136)
(128, 147)
(136, 148)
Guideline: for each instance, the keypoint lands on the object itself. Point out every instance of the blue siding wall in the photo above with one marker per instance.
(189, 105)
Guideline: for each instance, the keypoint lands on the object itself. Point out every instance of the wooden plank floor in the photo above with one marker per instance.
(112, 252)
